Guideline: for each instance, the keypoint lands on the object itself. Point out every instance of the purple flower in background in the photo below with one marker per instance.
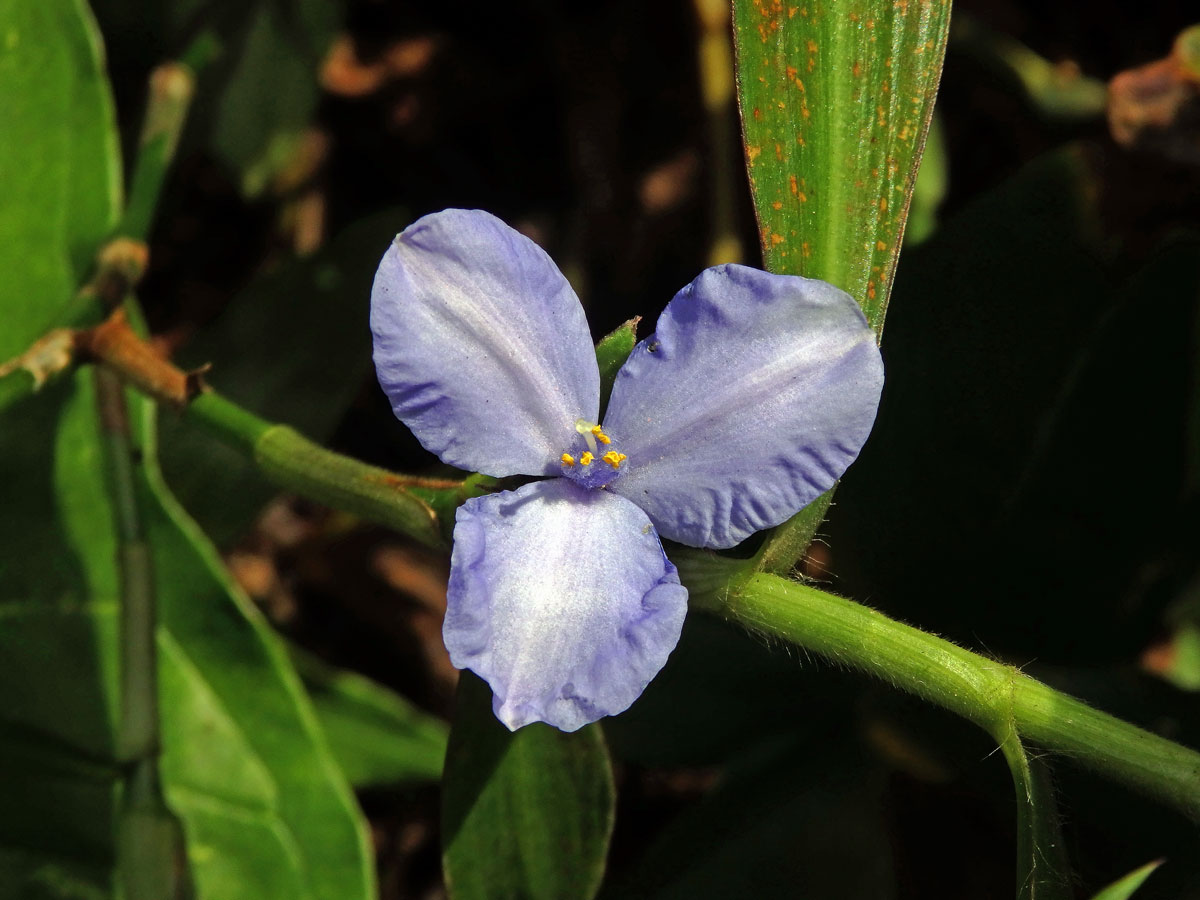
(752, 397)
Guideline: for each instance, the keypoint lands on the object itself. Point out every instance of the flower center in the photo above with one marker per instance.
(591, 461)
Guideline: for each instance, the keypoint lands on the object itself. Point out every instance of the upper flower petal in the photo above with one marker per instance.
(562, 600)
(751, 399)
(481, 345)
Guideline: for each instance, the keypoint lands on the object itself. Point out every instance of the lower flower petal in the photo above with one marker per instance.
(562, 600)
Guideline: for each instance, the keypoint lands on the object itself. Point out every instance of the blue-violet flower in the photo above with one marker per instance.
(751, 398)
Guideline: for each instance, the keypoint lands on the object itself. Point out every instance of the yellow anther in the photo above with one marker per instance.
(600, 435)
(567, 459)
(587, 458)
(614, 459)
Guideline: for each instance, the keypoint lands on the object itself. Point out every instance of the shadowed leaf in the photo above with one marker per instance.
(525, 814)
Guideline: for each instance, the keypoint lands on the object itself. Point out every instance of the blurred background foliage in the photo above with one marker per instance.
(1032, 487)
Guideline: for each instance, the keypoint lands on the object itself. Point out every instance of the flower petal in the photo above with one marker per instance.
(481, 345)
(751, 399)
(562, 600)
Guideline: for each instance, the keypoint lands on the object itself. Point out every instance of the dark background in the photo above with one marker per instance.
(1031, 489)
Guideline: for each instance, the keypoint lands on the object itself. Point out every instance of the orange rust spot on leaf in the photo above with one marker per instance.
(806, 249)
(793, 185)
(883, 204)
(757, 114)
(871, 290)
(753, 153)
(791, 72)
(812, 46)
(777, 239)
(800, 84)
(778, 204)
(880, 245)
(856, 69)
(778, 152)
(804, 111)
(803, 196)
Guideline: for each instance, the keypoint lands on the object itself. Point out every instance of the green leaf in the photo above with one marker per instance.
(836, 100)
(930, 189)
(1124, 888)
(58, 666)
(265, 810)
(525, 814)
(62, 184)
(377, 737)
(611, 352)
(272, 93)
(1056, 91)
(235, 657)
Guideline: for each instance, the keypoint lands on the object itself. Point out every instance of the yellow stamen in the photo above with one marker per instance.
(587, 458)
(567, 459)
(613, 458)
(600, 435)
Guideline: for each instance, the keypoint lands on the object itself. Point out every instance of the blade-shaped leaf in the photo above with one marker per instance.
(377, 737)
(246, 669)
(266, 812)
(525, 814)
(836, 99)
(1126, 887)
(58, 663)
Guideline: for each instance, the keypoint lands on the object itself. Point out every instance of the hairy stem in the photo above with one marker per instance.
(407, 504)
(984, 691)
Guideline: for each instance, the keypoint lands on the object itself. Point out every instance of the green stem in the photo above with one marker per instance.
(1043, 871)
(984, 691)
(172, 86)
(138, 737)
(297, 464)
(148, 838)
